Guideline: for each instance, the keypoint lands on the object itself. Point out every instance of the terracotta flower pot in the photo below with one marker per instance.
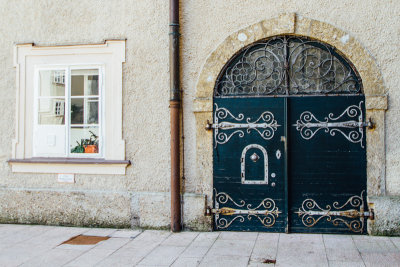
(91, 149)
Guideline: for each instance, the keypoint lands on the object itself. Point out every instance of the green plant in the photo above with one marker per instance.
(80, 147)
(93, 140)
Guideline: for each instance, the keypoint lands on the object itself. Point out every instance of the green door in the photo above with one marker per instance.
(327, 164)
(317, 184)
(289, 140)
(249, 157)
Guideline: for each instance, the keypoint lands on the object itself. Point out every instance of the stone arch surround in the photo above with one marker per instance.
(293, 24)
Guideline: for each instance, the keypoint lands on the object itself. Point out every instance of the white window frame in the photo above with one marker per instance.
(108, 57)
(67, 108)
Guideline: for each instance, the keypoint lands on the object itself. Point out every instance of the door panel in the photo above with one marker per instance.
(249, 178)
(324, 187)
(327, 164)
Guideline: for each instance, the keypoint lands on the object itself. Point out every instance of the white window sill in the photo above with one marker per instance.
(69, 165)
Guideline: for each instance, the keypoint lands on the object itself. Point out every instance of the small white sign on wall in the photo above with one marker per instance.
(66, 178)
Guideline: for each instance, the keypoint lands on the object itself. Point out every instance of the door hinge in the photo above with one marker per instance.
(208, 211)
(369, 124)
(345, 213)
(209, 126)
(370, 214)
(231, 211)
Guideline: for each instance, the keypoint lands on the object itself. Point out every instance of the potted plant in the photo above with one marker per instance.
(79, 148)
(89, 145)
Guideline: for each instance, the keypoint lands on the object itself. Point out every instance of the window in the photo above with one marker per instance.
(68, 121)
(69, 109)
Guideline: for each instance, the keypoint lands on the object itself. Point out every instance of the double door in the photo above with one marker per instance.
(290, 164)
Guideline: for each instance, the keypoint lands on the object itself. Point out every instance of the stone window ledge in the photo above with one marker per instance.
(69, 165)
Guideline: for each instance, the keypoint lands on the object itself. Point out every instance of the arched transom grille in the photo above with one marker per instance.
(287, 65)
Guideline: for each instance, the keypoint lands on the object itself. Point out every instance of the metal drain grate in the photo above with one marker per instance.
(85, 240)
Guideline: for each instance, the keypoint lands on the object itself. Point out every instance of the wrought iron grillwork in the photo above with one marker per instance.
(266, 212)
(287, 65)
(347, 214)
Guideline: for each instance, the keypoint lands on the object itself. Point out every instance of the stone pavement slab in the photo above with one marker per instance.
(162, 256)
(20, 253)
(224, 247)
(346, 264)
(11, 236)
(194, 251)
(26, 245)
(126, 233)
(228, 261)
(341, 248)
(54, 257)
(396, 241)
(90, 258)
(266, 247)
(113, 243)
(301, 250)
(205, 239)
(182, 239)
(385, 259)
(100, 232)
(186, 262)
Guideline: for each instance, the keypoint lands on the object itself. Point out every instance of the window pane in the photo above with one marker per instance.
(84, 140)
(77, 111)
(84, 82)
(84, 111)
(93, 111)
(52, 83)
(51, 111)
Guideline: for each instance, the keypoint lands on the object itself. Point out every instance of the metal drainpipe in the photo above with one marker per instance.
(174, 105)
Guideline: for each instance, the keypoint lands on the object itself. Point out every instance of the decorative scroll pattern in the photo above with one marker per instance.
(345, 124)
(287, 65)
(351, 213)
(266, 212)
(265, 125)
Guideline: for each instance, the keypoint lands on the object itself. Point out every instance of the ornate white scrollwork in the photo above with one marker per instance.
(266, 212)
(308, 125)
(266, 122)
(243, 165)
(311, 213)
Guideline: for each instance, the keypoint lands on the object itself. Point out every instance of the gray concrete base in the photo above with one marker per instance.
(62, 207)
(152, 210)
(148, 210)
(387, 216)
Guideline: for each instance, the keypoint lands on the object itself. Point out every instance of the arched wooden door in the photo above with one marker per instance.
(289, 140)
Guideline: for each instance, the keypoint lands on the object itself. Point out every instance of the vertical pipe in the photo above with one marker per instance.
(174, 115)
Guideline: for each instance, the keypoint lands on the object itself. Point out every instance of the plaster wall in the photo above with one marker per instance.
(144, 25)
(142, 194)
(373, 23)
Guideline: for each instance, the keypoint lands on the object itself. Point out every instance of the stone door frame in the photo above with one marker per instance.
(373, 86)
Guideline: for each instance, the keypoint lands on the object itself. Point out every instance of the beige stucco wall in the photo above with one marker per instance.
(144, 25)
(372, 23)
(142, 194)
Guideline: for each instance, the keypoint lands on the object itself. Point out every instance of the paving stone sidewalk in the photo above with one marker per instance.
(34, 245)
